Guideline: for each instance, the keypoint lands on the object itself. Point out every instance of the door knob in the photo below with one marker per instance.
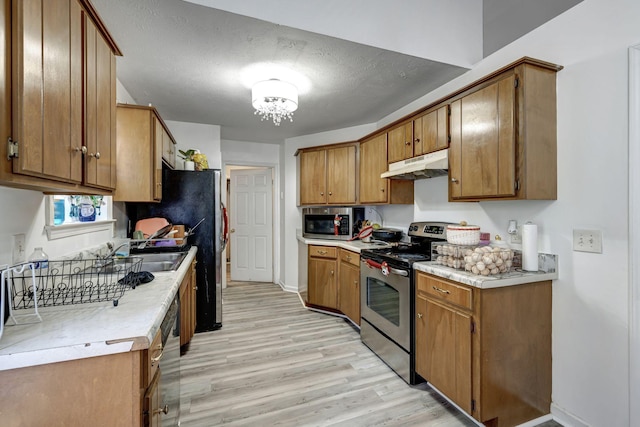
(233, 230)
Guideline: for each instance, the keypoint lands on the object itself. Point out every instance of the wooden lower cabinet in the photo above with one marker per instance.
(188, 289)
(349, 285)
(488, 350)
(322, 284)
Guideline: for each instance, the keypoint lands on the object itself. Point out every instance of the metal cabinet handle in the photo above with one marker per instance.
(419, 315)
(164, 410)
(443, 291)
(454, 180)
(348, 257)
(158, 357)
(97, 155)
(322, 252)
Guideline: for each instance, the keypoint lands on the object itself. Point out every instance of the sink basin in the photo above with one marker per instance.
(157, 262)
(151, 262)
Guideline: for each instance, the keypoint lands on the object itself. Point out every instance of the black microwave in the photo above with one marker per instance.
(331, 223)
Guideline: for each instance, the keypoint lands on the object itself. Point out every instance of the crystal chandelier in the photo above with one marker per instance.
(274, 100)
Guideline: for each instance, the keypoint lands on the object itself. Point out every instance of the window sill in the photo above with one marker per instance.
(55, 232)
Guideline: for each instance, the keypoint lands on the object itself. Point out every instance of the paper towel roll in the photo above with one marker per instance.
(529, 247)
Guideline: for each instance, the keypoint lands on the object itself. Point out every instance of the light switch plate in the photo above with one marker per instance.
(587, 241)
(18, 249)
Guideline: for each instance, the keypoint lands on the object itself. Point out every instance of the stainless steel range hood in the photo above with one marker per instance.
(426, 166)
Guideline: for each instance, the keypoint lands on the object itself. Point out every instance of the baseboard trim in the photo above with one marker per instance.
(284, 288)
(566, 419)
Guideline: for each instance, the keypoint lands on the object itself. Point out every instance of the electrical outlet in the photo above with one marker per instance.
(517, 236)
(587, 241)
(18, 249)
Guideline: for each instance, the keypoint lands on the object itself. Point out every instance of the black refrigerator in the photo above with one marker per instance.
(188, 197)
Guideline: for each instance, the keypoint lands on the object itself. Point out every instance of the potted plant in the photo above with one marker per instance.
(187, 156)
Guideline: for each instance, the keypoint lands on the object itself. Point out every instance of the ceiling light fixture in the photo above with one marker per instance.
(274, 100)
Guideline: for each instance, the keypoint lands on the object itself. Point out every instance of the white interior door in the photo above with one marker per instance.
(251, 225)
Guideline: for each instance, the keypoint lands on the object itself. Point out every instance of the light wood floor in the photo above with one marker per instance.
(276, 363)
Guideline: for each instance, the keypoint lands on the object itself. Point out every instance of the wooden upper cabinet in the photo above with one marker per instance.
(431, 131)
(139, 141)
(313, 182)
(373, 162)
(400, 140)
(100, 109)
(169, 149)
(62, 97)
(47, 88)
(328, 175)
(341, 175)
(503, 137)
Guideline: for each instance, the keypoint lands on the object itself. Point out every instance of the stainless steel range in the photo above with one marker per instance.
(387, 294)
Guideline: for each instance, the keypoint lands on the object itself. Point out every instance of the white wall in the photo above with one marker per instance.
(205, 138)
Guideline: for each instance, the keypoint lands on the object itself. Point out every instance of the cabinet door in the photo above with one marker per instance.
(341, 175)
(158, 131)
(373, 162)
(400, 143)
(152, 403)
(448, 352)
(421, 336)
(168, 149)
(322, 282)
(313, 179)
(100, 101)
(483, 138)
(349, 291)
(431, 131)
(47, 88)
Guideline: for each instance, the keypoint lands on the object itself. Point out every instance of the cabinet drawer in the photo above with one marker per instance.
(454, 294)
(350, 257)
(152, 360)
(323, 251)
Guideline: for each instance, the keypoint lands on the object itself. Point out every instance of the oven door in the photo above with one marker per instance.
(385, 301)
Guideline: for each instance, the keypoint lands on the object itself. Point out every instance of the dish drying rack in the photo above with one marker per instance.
(67, 282)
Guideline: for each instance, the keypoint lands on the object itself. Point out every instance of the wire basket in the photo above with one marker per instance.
(74, 282)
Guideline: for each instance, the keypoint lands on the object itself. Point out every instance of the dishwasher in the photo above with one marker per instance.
(170, 366)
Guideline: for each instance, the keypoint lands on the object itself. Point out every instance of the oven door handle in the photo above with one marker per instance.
(373, 264)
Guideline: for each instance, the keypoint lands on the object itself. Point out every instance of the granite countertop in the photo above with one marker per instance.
(94, 329)
(516, 277)
(354, 245)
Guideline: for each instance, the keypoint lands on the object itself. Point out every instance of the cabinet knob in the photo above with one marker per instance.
(355, 283)
(407, 143)
(322, 193)
(382, 189)
(454, 180)
(419, 315)
(348, 257)
(416, 140)
(82, 149)
(330, 193)
(331, 272)
(97, 155)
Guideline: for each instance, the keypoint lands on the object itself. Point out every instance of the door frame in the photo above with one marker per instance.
(634, 234)
(277, 197)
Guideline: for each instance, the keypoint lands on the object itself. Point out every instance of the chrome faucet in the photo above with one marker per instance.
(106, 260)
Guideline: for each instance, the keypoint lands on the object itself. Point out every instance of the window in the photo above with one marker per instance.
(69, 215)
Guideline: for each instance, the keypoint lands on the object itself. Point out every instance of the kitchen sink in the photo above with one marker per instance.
(151, 262)
(157, 262)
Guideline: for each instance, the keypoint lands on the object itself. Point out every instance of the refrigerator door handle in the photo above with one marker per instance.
(225, 227)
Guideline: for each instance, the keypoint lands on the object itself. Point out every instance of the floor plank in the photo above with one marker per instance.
(274, 363)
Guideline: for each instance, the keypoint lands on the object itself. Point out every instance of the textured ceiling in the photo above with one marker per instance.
(197, 64)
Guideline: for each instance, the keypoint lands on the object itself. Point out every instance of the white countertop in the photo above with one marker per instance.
(354, 245)
(95, 329)
(517, 277)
